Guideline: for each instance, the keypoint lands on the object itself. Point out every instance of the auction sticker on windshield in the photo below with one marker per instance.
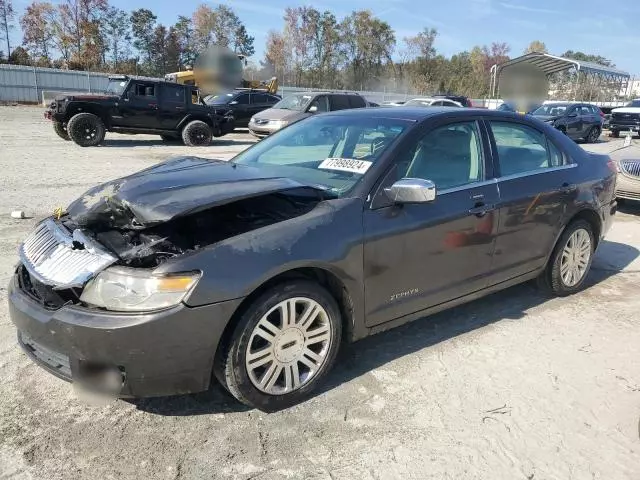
(346, 165)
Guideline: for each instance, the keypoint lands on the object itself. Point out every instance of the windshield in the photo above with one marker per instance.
(552, 109)
(116, 87)
(220, 99)
(331, 152)
(294, 102)
(418, 102)
(633, 103)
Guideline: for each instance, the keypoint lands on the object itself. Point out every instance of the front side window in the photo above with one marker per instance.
(450, 156)
(329, 151)
(297, 102)
(243, 99)
(522, 149)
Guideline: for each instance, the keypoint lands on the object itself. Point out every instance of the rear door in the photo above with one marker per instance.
(172, 106)
(420, 255)
(534, 179)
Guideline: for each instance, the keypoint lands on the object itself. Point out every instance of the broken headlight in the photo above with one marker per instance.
(129, 289)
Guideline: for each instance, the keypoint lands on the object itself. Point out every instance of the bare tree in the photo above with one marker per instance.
(7, 16)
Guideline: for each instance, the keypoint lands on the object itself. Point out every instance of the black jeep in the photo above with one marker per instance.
(138, 105)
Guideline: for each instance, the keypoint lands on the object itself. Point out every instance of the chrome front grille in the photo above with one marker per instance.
(631, 167)
(55, 257)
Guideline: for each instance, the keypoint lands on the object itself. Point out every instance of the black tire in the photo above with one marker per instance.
(615, 133)
(197, 134)
(86, 129)
(593, 135)
(551, 279)
(61, 130)
(230, 368)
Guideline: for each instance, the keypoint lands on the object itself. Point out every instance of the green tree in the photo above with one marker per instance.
(117, 33)
(19, 56)
(536, 47)
(143, 23)
(184, 33)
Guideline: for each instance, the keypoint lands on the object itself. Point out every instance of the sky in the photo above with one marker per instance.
(585, 25)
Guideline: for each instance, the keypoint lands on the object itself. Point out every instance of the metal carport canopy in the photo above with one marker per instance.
(550, 64)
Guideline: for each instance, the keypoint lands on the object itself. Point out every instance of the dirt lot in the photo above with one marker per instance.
(514, 386)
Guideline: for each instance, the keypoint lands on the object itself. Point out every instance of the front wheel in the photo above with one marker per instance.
(196, 134)
(570, 261)
(282, 347)
(86, 129)
(615, 133)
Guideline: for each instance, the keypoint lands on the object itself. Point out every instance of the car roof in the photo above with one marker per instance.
(421, 113)
(314, 93)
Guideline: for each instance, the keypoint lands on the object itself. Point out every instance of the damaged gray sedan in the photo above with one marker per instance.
(253, 271)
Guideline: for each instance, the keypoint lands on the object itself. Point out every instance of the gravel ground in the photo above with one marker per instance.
(514, 386)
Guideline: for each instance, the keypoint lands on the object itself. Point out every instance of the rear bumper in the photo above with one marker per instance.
(160, 353)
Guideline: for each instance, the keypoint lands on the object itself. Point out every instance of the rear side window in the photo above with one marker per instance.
(522, 149)
(356, 101)
(142, 90)
(339, 102)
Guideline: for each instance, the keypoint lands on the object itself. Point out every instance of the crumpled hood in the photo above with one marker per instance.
(177, 187)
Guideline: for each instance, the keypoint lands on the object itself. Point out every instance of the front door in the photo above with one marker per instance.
(420, 255)
(241, 110)
(139, 107)
(574, 122)
(534, 188)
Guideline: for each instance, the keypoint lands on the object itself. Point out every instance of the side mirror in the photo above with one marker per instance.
(412, 190)
(313, 109)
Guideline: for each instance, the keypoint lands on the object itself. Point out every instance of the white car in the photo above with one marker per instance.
(626, 119)
(432, 102)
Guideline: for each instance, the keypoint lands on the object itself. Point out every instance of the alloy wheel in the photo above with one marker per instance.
(575, 257)
(288, 346)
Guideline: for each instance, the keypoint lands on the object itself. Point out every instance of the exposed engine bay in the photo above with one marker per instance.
(149, 247)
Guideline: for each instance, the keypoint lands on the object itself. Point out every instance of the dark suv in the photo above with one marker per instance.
(302, 105)
(138, 105)
(242, 104)
(576, 120)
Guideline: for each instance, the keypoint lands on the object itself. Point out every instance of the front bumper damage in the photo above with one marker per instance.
(159, 353)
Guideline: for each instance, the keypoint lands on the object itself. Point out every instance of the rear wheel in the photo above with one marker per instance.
(593, 135)
(86, 129)
(282, 347)
(570, 261)
(196, 134)
(615, 133)
(61, 130)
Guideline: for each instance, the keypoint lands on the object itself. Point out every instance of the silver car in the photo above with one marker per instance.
(301, 105)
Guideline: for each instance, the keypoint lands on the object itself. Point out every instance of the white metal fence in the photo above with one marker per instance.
(24, 84)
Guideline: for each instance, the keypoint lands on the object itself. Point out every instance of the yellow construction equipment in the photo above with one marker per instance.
(219, 69)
